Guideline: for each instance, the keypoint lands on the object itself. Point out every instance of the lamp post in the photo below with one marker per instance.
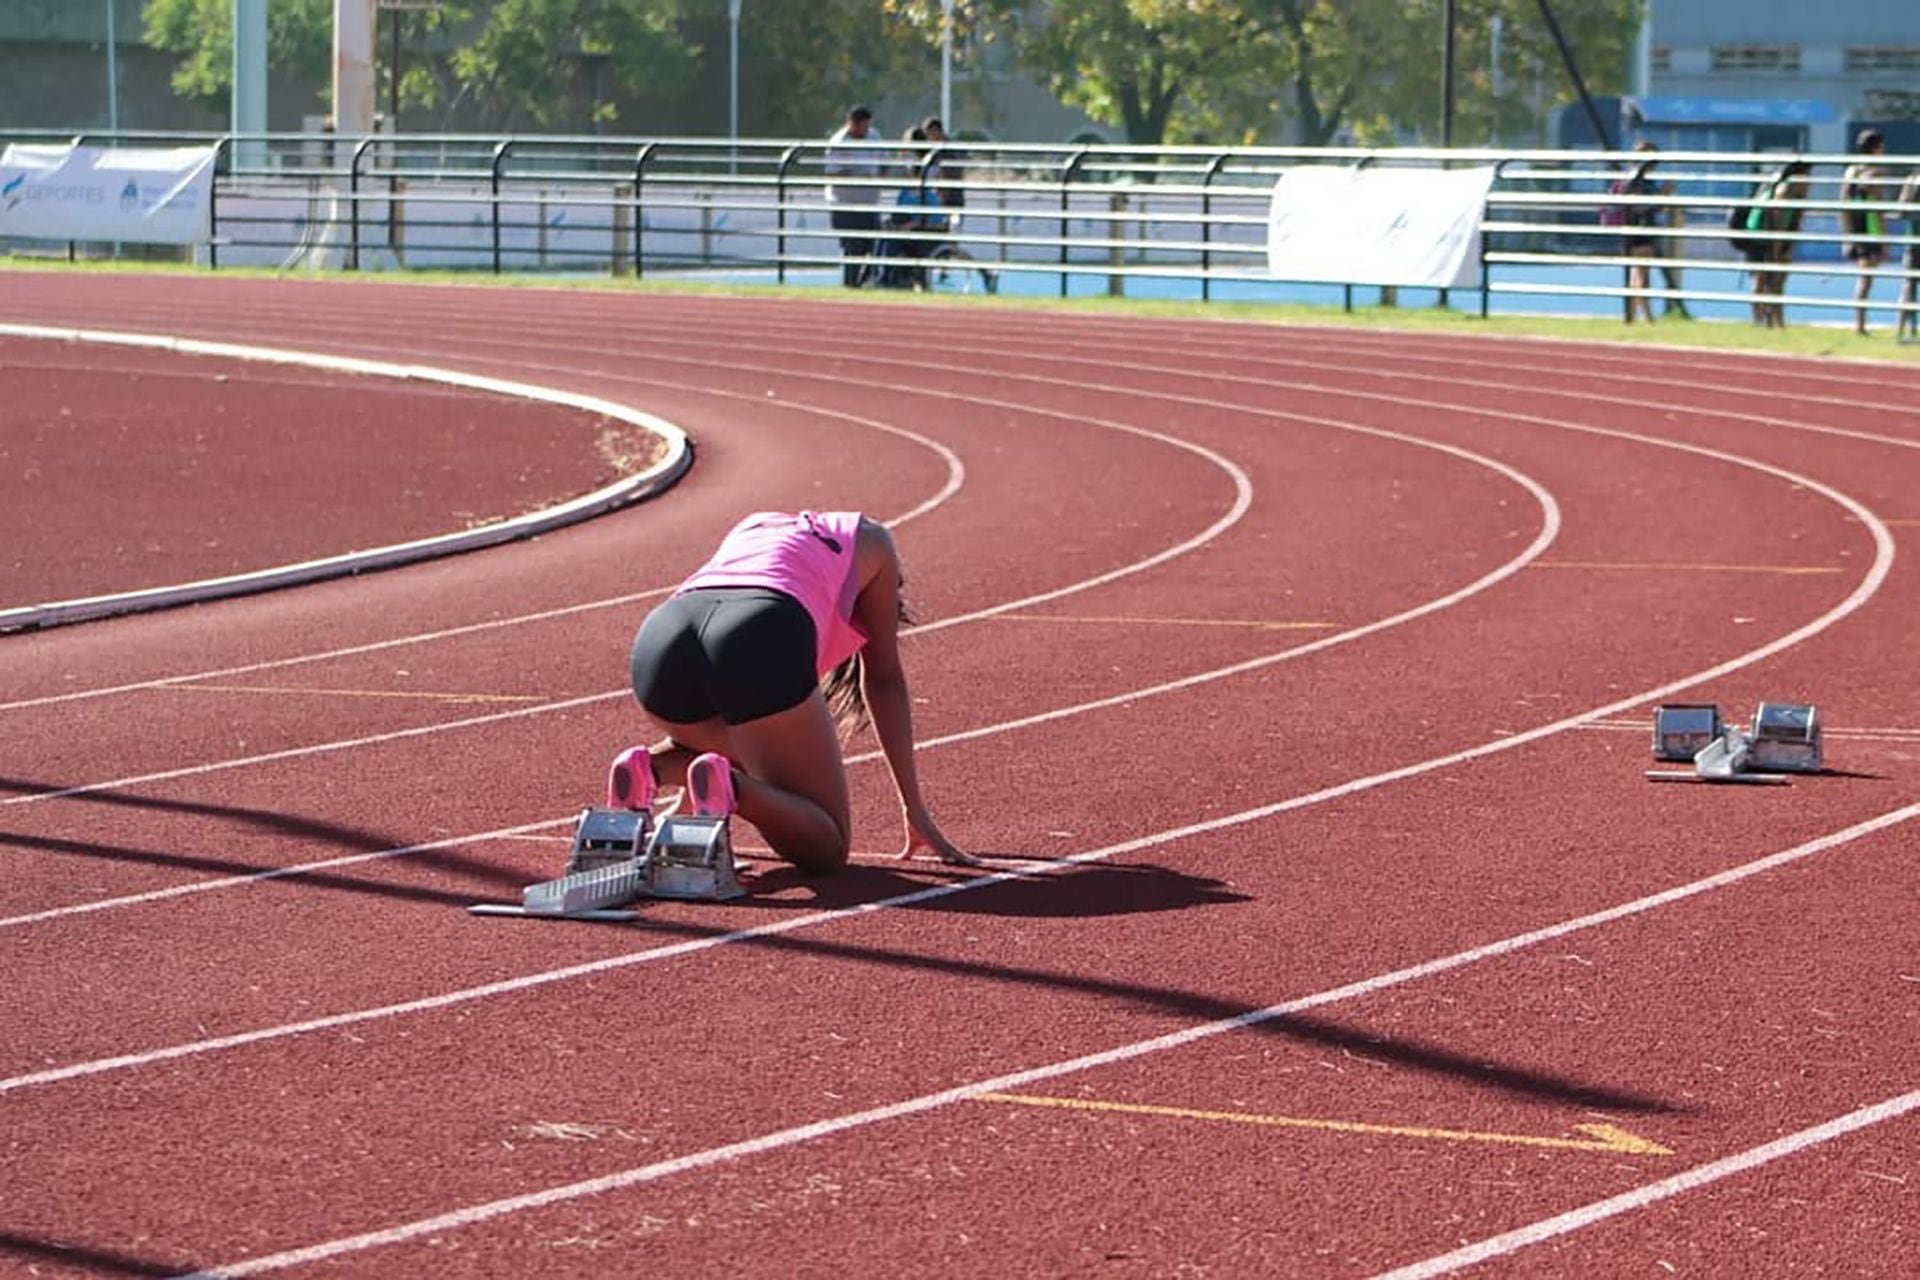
(946, 65)
(733, 86)
(113, 73)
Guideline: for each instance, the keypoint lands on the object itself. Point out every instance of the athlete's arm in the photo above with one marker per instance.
(884, 685)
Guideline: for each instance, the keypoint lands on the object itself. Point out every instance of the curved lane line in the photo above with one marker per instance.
(1015, 1080)
(1242, 502)
(1549, 531)
(627, 489)
(956, 478)
(1863, 591)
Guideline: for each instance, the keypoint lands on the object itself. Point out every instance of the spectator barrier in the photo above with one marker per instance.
(1075, 217)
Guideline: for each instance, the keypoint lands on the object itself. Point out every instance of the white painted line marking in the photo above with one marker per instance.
(274, 873)
(625, 490)
(1639, 1198)
(956, 477)
(1016, 1080)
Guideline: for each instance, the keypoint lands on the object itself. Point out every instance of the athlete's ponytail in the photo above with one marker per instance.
(845, 690)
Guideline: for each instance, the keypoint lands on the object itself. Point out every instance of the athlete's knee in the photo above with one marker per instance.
(825, 856)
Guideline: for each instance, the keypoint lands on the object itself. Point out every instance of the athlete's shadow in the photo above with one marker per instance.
(1471, 1066)
(269, 823)
(1032, 890)
(91, 1259)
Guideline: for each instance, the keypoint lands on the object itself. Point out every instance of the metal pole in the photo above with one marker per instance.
(1573, 71)
(113, 72)
(1446, 74)
(946, 65)
(393, 76)
(733, 86)
(249, 113)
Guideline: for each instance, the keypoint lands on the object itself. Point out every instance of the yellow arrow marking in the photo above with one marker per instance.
(1719, 568)
(1257, 624)
(1601, 1137)
(416, 694)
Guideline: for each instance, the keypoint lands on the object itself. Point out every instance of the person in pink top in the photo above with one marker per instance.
(786, 640)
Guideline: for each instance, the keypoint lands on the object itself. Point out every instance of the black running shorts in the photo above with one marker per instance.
(739, 653)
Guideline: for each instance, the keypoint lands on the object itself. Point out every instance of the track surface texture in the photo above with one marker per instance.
(1296, 681)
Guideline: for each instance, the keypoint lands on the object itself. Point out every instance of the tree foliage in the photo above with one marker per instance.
(1313, 71)
(555, 61)
(1225, 71)
(299, 40)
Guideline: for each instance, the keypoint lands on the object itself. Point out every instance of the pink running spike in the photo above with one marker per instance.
(710, 783)
(630, 780)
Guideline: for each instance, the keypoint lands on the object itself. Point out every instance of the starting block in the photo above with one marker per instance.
(1682, 729)
(618, 858)
(1785, 739)
(691, 857)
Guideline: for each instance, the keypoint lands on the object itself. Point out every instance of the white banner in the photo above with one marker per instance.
(140, 195)
(1418, 228)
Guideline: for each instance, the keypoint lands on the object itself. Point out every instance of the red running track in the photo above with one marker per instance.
(1301, 679)
(125, 468)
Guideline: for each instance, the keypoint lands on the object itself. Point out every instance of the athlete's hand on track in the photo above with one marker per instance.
(923, 835)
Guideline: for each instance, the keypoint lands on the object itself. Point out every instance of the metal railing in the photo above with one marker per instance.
(1067, 219)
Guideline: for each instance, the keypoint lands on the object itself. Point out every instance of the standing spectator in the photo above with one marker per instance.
(1909, 321)
(854, 195)
(1864, 227)
(917, 211)
(1637, 243)
(944, 173)
(1769, 255)
(1671, 251)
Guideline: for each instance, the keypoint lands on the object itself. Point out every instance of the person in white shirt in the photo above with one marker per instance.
(852, 166)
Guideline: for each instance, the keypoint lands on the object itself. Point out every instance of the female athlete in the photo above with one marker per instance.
(786, 639)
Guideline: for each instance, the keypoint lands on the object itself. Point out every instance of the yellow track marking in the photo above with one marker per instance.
(1602, 1137)
(417, 694)
(1257, 624)
(1710, 568)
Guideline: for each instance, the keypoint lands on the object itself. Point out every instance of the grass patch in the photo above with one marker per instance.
(1836, 341)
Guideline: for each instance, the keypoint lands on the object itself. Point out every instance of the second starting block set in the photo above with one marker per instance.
(1784, 738)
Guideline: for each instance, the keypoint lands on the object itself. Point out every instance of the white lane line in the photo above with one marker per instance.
(1242, 502)
(956, 478)
(277, 873)
(621, 492)
(313, 749)
(1287, 367)
(1864, 590)
(798, 1135)
(1640, 1197)
(1549, 530)
(328, 655)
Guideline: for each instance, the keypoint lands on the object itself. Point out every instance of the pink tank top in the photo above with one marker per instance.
(808, 556)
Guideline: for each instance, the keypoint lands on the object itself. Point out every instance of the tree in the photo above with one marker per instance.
(553, 61)
(1318, 70)
(299, 41)
(1128, 63)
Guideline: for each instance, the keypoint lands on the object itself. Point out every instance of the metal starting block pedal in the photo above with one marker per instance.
(1681, 729)
(618, 857)
(605, 836)
(1785, 738)
(691, 857)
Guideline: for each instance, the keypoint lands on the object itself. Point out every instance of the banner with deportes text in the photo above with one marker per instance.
(1416, 228)
(145, 195)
